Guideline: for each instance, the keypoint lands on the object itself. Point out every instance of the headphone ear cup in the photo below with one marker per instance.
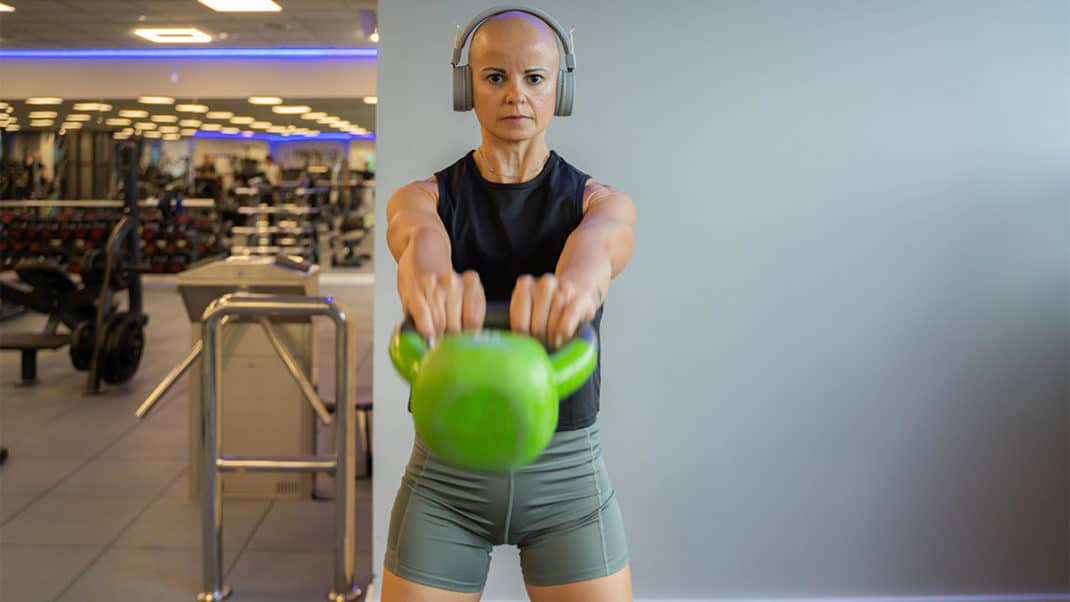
(462, 88)
(566, 83)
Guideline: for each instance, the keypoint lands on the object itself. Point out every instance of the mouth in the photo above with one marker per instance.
(515, 118)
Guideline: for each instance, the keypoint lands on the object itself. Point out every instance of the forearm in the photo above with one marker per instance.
(428, 252)
(587, 264)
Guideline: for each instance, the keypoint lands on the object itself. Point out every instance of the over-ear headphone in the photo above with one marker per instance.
(462, 75)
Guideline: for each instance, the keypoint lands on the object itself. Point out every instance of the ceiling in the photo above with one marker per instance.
(353, 110)
(83, 24)
(110, 24)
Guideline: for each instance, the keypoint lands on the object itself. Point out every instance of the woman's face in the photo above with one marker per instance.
(514, 65)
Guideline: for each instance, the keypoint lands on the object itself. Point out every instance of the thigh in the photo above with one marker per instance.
(570, 525)
(438, 536)
(396, 589)
(614, 588)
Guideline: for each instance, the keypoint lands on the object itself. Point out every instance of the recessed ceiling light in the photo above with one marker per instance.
(291, 110)
(134, 113)
(41, 123)
(313, 116)
(171, 137)
(191, 108)
(6, 8)
(156, 100)
(152, 134)
(77, 117)
(375, 36)
(4, 105)
(174, 35)
(265, 100)
(120, 136)
(242, 6)
(71, 125)
(117, 121)
(219, 115)
(44, 100)
(168, 129)
(145, 125)
(190, 123)
(278, 129)
(211, 127)
(92, 106)
(242, 120)
(260, 125)
(231, 130)
(12, 128)
(165, 118)
(188, 132)
(43, 115)
(371, 100)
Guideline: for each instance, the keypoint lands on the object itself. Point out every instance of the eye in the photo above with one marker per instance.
(535, 78)
(495, 78)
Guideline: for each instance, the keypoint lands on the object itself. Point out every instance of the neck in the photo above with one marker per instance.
(513, 163)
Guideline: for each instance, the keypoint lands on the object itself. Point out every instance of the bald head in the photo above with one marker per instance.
(511, 34)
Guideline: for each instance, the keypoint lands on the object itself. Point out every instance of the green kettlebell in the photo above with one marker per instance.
(488, 402)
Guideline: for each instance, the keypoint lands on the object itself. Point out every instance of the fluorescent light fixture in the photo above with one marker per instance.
(313, 116)
(4, 105)
(231, 130)
(44, 100)
(120, 136)
(188, 132)
(6, 8)
(278, 129)
(190, 123)
(79, 117)
(291, 110)
(41, 123)
(71, 125)
(371, 100)
(173, 35)
(187, 53)
(92, 106)
(219, 115)
(165, 118)
(242, 120)
(242, 6)
(134, 113)
(12, 128)
(211, 127)
(156, 100)
(152, 134)
(168, 129)
(43, 115)
(171, 137)
(265, 100)
(117, 121)
(191, 108)
(260, 125)
(145, 125)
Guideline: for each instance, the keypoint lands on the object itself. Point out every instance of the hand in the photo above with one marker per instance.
(445, 303)
(550, 309)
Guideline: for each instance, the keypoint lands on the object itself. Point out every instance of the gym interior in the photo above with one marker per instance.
(836, 368)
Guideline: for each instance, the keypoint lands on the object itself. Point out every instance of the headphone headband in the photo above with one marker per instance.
(463, 34)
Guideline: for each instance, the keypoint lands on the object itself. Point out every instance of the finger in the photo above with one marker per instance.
(420, 312)
(560, 300)
(475, 302)
(542, 297)
(577, 311)
(454, 296)
(437, 303)
(520, 305)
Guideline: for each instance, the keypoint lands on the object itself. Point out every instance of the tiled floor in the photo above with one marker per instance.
(94, 504)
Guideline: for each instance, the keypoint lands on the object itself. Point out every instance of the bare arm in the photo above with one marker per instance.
(437, 298)
(602, 245)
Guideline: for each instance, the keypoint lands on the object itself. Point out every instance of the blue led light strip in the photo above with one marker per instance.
(182, 53)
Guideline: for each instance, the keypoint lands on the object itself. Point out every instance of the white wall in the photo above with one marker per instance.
(838, 362)
(201, 78)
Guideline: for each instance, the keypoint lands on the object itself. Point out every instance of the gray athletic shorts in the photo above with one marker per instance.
(560, 511)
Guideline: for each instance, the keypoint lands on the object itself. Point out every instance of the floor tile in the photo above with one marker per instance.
(152, 443)
(56, 519)
(305, 526)
(122, 478)
(34, 476)
(156, 575)
(32, 573)
(10, 505)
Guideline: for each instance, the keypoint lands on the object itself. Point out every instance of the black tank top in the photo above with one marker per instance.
(503, 231)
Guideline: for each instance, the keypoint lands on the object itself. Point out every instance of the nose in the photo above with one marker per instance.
(514, 93)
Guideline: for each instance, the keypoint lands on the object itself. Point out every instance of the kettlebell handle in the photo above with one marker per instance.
(572, 364)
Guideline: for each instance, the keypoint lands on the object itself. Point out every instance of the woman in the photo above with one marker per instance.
(511, 221)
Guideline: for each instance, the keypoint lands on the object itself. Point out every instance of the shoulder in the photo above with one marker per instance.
(414, 194)
(603, 197)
